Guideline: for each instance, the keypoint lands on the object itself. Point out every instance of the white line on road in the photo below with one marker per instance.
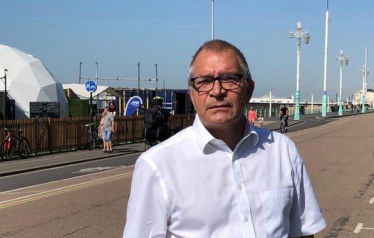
(371, 201)
(61, 190)
(67, 179)
(358, 228)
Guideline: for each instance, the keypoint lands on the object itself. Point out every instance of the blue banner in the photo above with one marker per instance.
(132, 104)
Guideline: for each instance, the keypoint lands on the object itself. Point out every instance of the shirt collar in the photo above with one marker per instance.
(204, 138)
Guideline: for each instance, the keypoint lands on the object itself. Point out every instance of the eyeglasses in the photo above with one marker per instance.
(206, 83)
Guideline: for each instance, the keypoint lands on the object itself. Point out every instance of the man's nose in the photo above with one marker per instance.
(217, 88)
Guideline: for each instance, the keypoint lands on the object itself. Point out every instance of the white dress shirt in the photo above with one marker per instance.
(194, 186)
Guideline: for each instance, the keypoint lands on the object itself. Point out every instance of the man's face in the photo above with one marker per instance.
(219, 106)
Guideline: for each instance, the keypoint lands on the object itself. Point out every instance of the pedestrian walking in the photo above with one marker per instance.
(100, 129)
(252, 116)
(108, 128)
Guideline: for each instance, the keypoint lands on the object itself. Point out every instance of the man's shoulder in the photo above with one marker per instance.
(272, 137)
(178, 143)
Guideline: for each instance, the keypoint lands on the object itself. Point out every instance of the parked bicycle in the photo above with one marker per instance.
(14, 145)
(92, 139)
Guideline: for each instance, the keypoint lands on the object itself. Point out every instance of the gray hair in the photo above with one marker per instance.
(219, 46)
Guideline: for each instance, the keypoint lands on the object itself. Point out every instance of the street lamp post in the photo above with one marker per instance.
(156, 81)
(312, 103)
(365, 73)
(270, 91)
(342, 59)
(324, 97)
(298, 34)
(138, 78)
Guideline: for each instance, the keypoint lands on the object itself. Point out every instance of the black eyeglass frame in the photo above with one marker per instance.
(192, 81)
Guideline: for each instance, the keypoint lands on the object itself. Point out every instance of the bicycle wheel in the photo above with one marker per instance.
(94, 140)
(24, 148)
(6, 150)
(90, 142)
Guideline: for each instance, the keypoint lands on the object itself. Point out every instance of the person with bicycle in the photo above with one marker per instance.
(222, 176)
(283, 115)
(156, 120)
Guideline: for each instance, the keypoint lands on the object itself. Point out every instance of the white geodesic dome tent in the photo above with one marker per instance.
(28, 80)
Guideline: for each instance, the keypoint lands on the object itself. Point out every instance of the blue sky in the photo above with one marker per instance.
(120, 33)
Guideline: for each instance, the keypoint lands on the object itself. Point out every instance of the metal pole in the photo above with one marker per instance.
(80, 72)
(270, 102)
(5, 97)
(297, 93)
(97, 84)
(340, 113)
(156, 81)
(90, 107)
(324, 108)
(138, 78)
(312, 103)
(212, 19)
(363, 109)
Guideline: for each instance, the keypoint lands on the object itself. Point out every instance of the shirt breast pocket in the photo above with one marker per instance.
(276, 206)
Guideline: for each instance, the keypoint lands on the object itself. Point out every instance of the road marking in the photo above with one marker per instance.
(360, 227)
(67, 179)
(58, 191)
(371, 201)
(91, 170)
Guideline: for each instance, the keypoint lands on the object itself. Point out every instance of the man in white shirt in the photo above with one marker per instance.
(222, 177)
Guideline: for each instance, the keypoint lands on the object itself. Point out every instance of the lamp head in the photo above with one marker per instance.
(307, 38)
(291, 35)
(346, 60)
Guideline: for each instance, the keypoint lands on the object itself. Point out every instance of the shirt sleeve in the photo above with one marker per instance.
(146, 210)
(306, 214)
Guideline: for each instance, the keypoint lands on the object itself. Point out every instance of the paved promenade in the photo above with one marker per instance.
(338, 154)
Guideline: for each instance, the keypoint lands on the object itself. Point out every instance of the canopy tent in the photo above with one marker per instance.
(28, 80)
(80, 90)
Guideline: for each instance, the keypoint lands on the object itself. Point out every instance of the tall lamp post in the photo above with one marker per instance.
(324, 97)
(298, 34)
(365, 73)
(312, 99)
(156, 81)
(138, 78)
(270, 91)
(342, 59)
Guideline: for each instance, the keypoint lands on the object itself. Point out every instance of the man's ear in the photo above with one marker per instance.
(250, 88)
(191, 96)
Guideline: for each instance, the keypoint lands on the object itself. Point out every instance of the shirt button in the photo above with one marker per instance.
(246, 219)
(240, 187)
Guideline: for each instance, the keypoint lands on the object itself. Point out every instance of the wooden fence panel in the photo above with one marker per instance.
(62, 134)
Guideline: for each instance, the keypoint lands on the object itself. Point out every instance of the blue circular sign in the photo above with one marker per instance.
(91, 86)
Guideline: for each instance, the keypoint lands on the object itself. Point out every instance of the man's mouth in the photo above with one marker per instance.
(219, 106)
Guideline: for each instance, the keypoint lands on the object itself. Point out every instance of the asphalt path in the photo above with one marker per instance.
(91, 202)
(59, 173)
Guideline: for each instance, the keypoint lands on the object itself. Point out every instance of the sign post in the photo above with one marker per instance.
(91, 88)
